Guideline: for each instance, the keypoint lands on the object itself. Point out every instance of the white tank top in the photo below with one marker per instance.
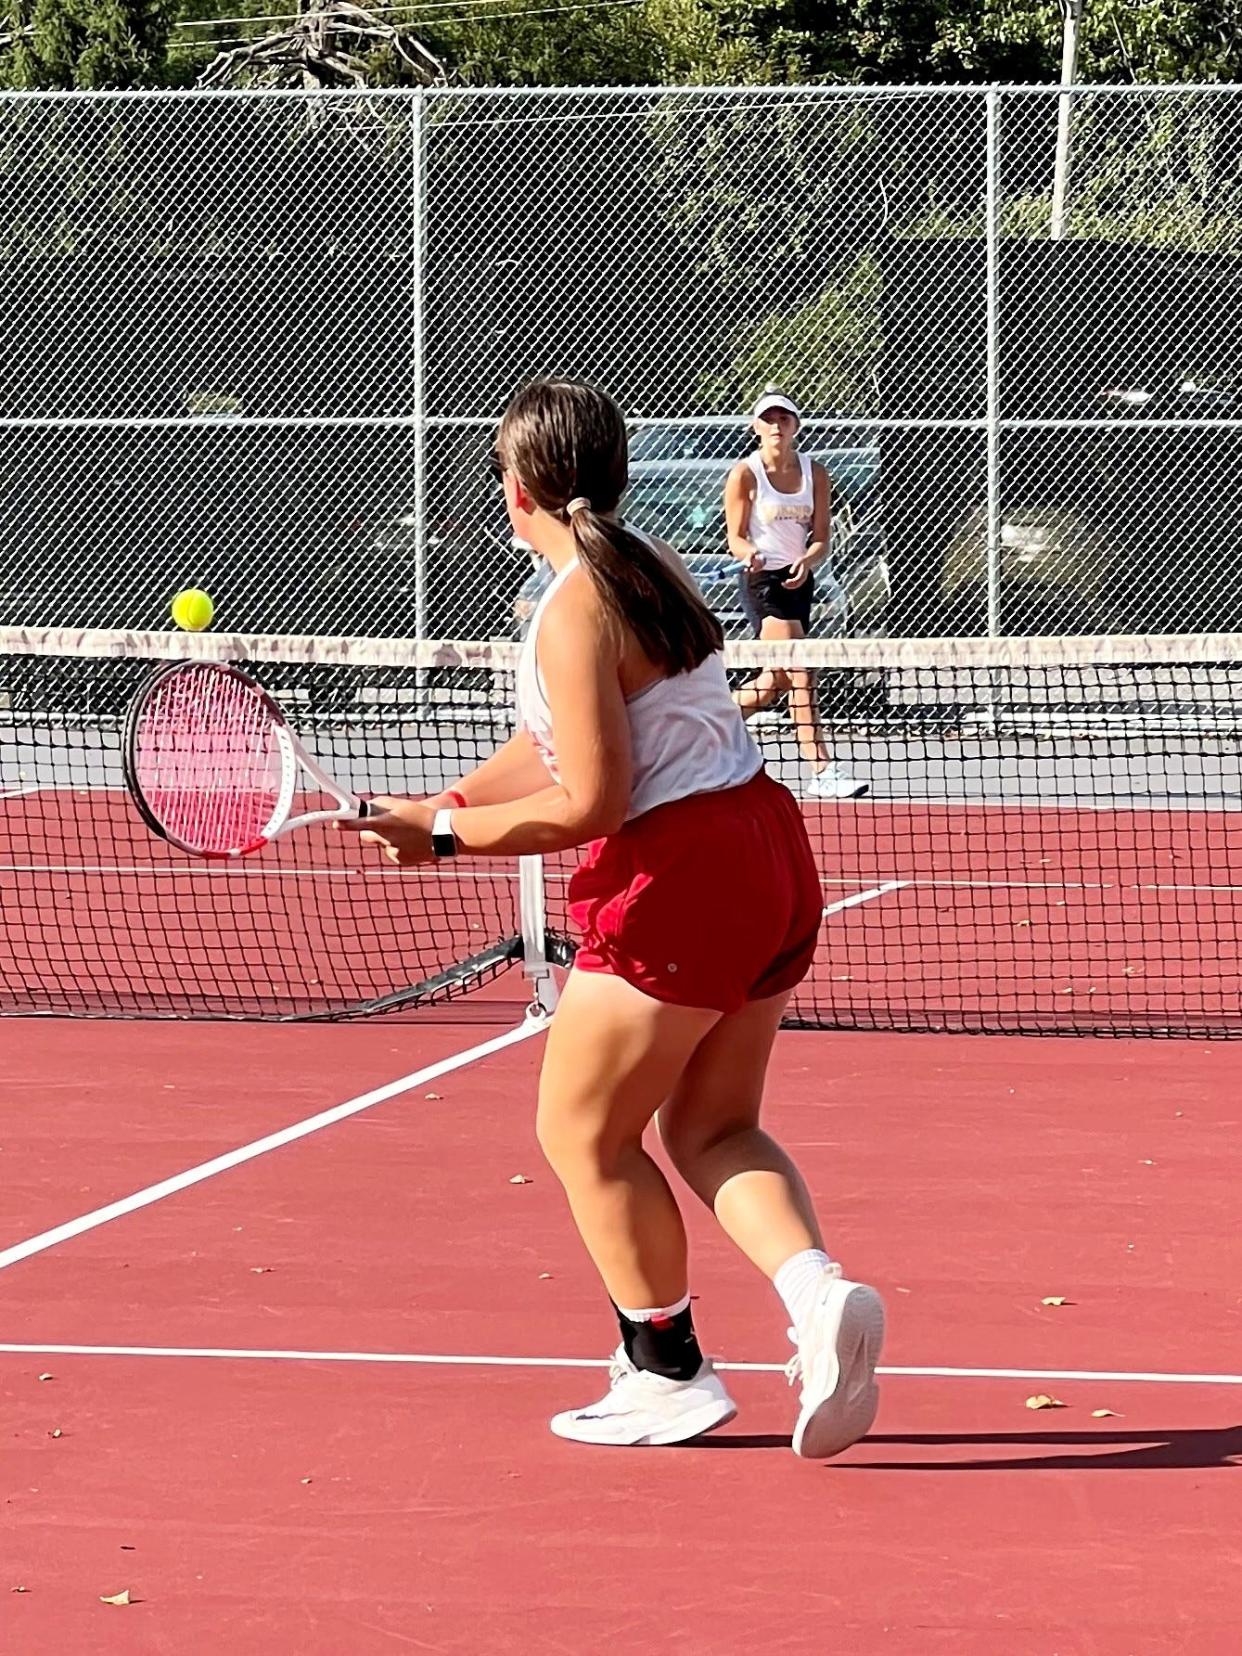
(780, 524)
(686, 735)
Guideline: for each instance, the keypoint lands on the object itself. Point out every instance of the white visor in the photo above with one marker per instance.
(773, 399)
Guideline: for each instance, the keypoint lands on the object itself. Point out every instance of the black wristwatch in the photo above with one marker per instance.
(443, 840)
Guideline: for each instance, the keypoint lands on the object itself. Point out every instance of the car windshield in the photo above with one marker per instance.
(687, 512)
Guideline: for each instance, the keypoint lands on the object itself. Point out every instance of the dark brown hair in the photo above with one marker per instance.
(566, 442)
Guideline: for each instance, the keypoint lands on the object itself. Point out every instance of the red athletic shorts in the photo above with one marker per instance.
(709, 901)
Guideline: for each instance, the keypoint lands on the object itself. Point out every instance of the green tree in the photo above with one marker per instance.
(824, 354)
(917, 41)
(91, 44)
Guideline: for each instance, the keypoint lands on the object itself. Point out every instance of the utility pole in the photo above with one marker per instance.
(1072, 11)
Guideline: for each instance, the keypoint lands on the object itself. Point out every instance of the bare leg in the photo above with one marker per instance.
(613, 1056)
(760, 692)
(710, 1127)
(763, 690)
(803, 713)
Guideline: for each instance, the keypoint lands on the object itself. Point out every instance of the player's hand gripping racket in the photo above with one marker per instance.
(213, 766)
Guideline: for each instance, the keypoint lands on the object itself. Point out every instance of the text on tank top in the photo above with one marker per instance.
(780, 524)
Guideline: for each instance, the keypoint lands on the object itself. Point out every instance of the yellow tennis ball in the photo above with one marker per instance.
(192, 610)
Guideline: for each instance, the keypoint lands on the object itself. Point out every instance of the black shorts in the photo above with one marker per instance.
(765, 594)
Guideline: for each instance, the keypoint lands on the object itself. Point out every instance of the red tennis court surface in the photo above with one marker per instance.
(289, 1425)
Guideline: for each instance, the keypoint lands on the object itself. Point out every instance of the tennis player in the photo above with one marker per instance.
(699, 907)
(778, 511)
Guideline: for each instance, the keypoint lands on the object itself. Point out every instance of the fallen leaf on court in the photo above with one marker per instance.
(1043, 1401)
(261, 1270)
(1023, 922)
(116, 1598)
(1145, 1163)
(1056, 1299)
(545, 1276)
(19, 1589)
(1105, 1414)
(520, 1178)
(308, 1480)
(56, 1433)
(47, 1377)
(431, 1095)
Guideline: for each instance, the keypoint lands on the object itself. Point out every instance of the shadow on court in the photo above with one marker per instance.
(1100, 1451)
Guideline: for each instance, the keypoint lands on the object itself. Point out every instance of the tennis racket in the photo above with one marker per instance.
(213, 766)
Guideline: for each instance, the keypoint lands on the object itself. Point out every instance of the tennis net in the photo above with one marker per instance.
(1051, 840)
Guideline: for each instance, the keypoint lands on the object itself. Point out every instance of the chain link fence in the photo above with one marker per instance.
(259, 341)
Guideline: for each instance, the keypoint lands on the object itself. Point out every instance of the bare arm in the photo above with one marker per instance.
(821, 523)
(739, 499)
(821, 528)
(514, 771)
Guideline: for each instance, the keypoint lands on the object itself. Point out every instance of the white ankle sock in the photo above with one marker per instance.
(798, 1281)
(654, 1311)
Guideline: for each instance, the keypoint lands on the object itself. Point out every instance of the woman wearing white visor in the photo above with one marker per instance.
(778, 509)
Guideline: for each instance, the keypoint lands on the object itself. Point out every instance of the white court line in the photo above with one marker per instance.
(1206, 804)
(864, 896)
(473, 1360)
(218, 871)
(933, 881)
(260, 1147)
(20, 793)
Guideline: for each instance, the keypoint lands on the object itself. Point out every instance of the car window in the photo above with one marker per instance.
(685, 442)
(684, 508)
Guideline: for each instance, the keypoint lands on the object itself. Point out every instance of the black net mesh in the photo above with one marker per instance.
(1050, 840)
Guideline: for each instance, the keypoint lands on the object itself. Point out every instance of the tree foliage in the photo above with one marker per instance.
(91, 44)
(659, 42)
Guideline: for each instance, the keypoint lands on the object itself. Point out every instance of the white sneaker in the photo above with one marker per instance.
(834, 782)
(646, 1408)
(838, 1350)
(768, 718)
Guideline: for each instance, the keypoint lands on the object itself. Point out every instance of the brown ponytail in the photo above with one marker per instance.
(567, 443)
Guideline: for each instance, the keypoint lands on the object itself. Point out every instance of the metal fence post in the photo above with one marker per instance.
(992, 199)
(418, 396)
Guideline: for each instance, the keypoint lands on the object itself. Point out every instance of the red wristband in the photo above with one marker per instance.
(456, 795)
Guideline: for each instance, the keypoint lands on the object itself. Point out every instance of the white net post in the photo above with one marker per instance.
(532, 909)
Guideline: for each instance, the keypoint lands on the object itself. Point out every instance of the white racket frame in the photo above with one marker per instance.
(294, 762)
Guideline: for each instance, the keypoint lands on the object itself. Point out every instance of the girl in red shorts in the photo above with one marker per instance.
(699, 907)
